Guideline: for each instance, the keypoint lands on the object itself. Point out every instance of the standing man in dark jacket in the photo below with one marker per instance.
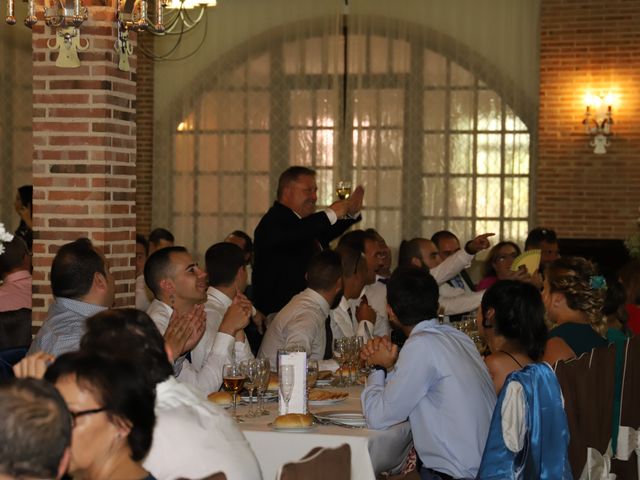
(291, 232)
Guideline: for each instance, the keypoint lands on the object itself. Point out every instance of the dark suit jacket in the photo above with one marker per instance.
(283, 246)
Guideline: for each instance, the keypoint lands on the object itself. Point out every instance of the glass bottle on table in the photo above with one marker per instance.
(233, 378)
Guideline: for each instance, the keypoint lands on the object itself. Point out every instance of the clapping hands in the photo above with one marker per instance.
(185, 330)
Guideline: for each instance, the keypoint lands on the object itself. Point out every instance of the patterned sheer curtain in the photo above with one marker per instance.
(436, 121)
(15, 115)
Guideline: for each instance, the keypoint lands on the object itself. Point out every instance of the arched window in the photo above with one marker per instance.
(434, 143)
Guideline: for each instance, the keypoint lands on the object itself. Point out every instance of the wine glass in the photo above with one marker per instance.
(287, 380)
(250, 369)
(312, 375)
(264, 375)
(233, 378)
(343, 189)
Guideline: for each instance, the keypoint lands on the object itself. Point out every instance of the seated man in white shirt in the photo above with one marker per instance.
(179, 287)
(353, 315)
(193, 438)
(227, 274)
(303, 320)
(423, 253)
(438, 381)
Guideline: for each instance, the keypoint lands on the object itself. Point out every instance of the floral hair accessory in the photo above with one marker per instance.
(4, 237)
(597, 282)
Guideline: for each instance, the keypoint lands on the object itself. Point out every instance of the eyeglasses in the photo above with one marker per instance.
(82, 413)
(502, 258)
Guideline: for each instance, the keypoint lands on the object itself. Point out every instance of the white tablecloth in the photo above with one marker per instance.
(372, 451)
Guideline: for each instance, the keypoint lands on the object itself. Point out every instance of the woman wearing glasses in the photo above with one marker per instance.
(113, 417)
(498, 264)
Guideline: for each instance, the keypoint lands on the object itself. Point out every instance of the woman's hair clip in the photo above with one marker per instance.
(597, 282)
(4, 237)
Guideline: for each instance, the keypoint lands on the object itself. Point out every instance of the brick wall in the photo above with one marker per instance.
(588, 45)
(144, 143)
(84, 137)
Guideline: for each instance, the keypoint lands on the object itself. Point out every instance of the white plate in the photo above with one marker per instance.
(351, 417)
(331, 401)
(268, 395)
(324, 382)
(292, 430)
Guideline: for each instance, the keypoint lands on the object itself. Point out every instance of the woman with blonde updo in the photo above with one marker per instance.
(573, 296)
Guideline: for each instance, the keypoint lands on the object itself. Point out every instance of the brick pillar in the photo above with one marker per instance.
(144, 124)
(84, 137)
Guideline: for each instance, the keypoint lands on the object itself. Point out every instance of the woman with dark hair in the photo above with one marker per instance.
(112, 406)
(498, 264)
(528, 437)
(511, 316)
(23, 207)
(573, 296)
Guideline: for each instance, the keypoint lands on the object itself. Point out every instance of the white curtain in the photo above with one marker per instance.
(430, 104)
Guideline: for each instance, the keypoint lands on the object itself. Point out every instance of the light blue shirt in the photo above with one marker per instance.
(64, 327)
(442, 385)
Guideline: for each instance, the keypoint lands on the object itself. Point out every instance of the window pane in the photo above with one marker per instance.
(516, 231)
(435, 69)
(232, 193)
(460, 197)
(326, 108)
(488, 154)
(434, 110)
(391, 148)
(324, 147)
(300, 147)
(365, 108)
(208, 234)
(258, 110)
(313, 56)
(462, 111)
(364, 148)
(391, 107)
(463, 229)
(324, 179)
(401, 57)
(207, 193)
(433, 196)
(461, 153)
(258, 152)
(389, 223)
(258, 193)
(390, 189)
(461, 76)
(379, 54)
(183, 193)
(513, 122)
(259, 70)
(182, 228)
(369, 179)
(516, 155)
(291, 55)
(233, 106)
(208, 155)
(357, 53)
(488, 197)
(229, 224)
(487, 226)
(431, 226)
(516, 197)
(433, 155)
(184, 152)
(489, 111)
(233, 153)
(209, 108)
(300, 108)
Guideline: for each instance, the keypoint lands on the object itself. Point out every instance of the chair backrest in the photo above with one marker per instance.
(8, 358)
(215, 476)
(320, 464)
(15, 328)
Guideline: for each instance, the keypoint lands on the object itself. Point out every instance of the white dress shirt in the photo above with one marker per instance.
(442, 385)
(377, 297)
(300, 322)
(215, 308)
(208, 378)
(451, 266)
(194, 438)
(344, 322)
(142, 296)
(458, 300)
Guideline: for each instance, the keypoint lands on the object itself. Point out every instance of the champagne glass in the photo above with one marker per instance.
(287, 380)
(312, 376)
(250, 369)
(233, 378)
(339, 353)
(343, 189)
(360, 342)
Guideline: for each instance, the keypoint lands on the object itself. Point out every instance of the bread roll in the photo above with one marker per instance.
(273, 382)
(293, 420)
(221, 398)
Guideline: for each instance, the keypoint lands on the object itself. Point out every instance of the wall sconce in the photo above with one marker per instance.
(598, 120)
(66, 17)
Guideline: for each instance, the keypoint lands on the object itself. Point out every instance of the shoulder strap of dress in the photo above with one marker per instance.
(512, 357)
